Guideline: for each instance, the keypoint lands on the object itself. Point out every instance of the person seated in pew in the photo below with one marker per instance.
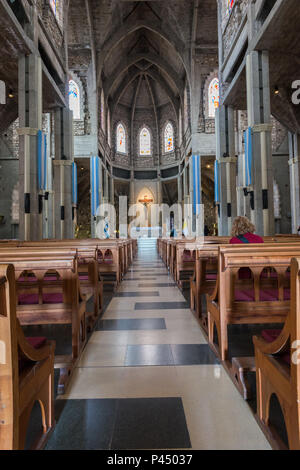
(243, 231)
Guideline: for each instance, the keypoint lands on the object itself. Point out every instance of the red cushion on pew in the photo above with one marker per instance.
(271, 335)
(246, 295)
(268, 295)
(27, 279)
(53, 298)
(211, 276)
(34, 279)
(49, 298)
(36, 342)
(83, 277)
(265, 295)
(188, 256)
(28, 299)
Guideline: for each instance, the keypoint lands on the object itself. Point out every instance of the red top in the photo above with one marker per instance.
(251, 237)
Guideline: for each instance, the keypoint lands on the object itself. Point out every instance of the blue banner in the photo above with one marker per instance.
(42, 160)
(94, 170)
(248, 156)
(74, 184)
(196, 162)
(217, 198)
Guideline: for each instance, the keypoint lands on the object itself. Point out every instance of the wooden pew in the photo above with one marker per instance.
(184, 254)
(26, 373)
(205, 276)
(48, 301)
(90, 282)
(206, 266)
(278, 369)
(264, 298)
(112, 254)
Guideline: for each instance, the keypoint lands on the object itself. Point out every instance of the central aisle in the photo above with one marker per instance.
(147, 378)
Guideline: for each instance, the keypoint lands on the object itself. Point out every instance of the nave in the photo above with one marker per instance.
(147, 378)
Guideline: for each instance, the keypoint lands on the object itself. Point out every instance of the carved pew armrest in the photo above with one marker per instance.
(31, 353)
(275, 347)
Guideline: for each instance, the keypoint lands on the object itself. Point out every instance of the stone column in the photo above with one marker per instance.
(64, 226)
(30, 121)
(180, 200)
(259, 119)
(131, 189)
(190, 218)
(186, 198)
(225, 154)
(112, 189)
(160, 201)
(294, 148)
(179, 186)
(106, 187)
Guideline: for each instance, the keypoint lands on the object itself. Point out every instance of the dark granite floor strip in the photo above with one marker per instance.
(157, 274)
(169, 355)
(132, 324)
(142, 270)
(149, 423)
(160, 305)
(157, 284)
(149, 355)
(137, 294)
(131, 423)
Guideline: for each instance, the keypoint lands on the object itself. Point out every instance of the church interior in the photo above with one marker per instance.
(149, 225)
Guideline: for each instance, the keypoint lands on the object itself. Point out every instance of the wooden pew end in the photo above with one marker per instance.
(239, 370)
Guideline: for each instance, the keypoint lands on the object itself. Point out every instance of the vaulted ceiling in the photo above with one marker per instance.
(142, 50)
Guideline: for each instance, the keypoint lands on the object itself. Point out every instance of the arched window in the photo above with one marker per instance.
(121, 139)
(230, 4)
(57, 8)
(74, 99)
(53, 5)
(102, 112)
(213, 97)
(145, 142)
(169, 138)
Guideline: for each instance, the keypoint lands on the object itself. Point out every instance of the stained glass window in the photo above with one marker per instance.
(169, 138)
(53, 4)
(145, 142)
(230, 4)
(213, 97)
(74, 99)
(121, 139)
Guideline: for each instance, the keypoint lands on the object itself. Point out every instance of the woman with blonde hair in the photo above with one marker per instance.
(243, 231)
